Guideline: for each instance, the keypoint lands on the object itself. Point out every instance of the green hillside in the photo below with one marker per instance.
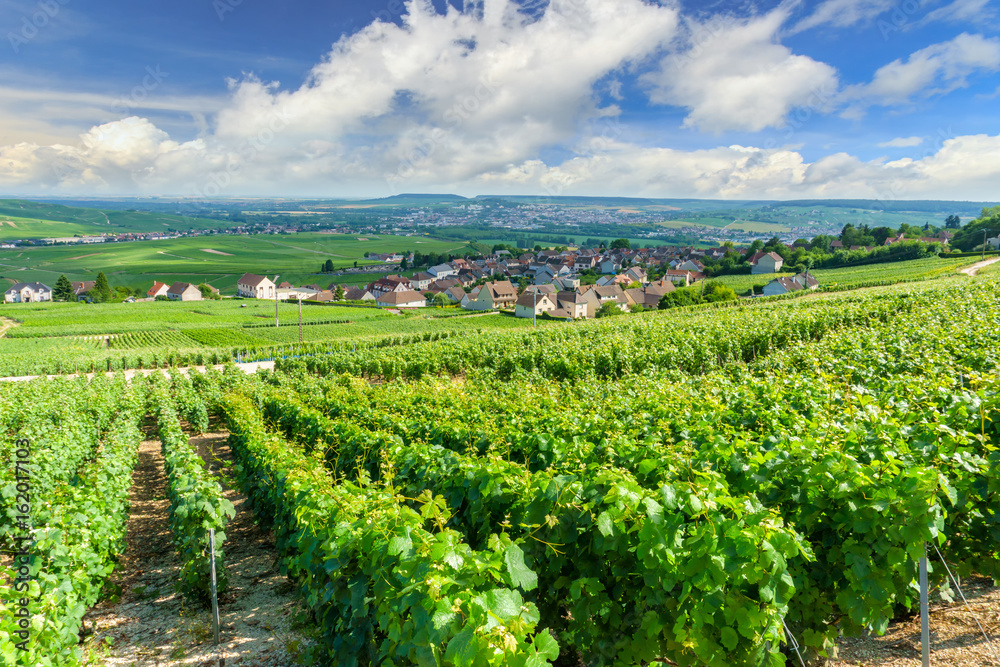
(20, 219)
(218, 259)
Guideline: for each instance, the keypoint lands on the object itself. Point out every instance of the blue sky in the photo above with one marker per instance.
(822, 98)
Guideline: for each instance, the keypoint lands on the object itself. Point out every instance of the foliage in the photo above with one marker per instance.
(197, 504)
(63, 289)
(101, 291)
(987, 225)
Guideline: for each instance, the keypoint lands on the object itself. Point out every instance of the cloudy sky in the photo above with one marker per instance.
(887, 99)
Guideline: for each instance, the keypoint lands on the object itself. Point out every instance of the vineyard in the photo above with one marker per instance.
(704, 488)
(871, 275)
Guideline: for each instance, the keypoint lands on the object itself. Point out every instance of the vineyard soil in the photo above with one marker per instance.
(152, 625)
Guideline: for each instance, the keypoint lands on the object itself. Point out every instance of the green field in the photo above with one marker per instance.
(48, 337)
(27, 219)
(860, 276)
(762, 227)
(295, 257)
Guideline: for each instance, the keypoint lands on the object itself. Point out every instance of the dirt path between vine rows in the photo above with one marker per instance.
(974, 269)
(956, 640)
(152, 626)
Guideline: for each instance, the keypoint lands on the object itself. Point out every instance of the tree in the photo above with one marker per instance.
(971, 236)
(338, 294)
(328, 266)
(621, 244)
(207, 292)
(355, 264)
(404, 265)
(440, 299)
(952, 222)
(63, 291)
(608, 309)
(101, 292)
(714, 291)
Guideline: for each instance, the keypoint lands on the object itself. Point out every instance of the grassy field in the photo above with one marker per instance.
(27, 219)
(218, 260)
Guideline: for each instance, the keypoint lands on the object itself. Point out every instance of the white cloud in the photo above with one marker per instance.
(735, 76)
(442, 96)
(844, 13)
(902, 142)
(965, 167)
(960, 10)
(935, 70)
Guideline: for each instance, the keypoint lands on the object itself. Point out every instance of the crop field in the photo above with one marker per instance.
(42, 220)
(58, 337)
(704, 488)
(295, 257)
(861, 276)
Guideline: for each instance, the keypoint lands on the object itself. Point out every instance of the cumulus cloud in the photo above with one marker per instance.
(441, 95)
(902, 142)
(733, 75)
(934, 70)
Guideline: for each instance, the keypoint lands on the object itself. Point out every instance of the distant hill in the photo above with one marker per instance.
(412, 200)
(20, 219)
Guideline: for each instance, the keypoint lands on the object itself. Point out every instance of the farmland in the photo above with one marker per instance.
(701, 487)
(861, 276)
(27, 219)
(296, 257)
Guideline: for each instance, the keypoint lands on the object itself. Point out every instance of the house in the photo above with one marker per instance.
(612, 294)
(404, 299)
(442, 271)
(495, 295)
(692, 265)
(637, 274)
(82, 287)
(388, 284)
(454, 294)
(421, 281)
(573, 305)
(780, 286)
(567, 282)
(252, 286)
(799, 282)
(532, 304)
(292, 293)
(158, 289)
(28, 292)
(678, 277)
(358, 294)
(765, 262)
(994, 242)
(183, 292)
(610, 265)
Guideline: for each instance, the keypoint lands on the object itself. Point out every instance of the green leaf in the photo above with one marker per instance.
(521, 575)
(729, 638)
(462, 648)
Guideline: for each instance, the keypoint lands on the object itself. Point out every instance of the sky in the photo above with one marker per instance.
(876, 99)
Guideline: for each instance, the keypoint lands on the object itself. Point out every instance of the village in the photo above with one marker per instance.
(559, 284)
